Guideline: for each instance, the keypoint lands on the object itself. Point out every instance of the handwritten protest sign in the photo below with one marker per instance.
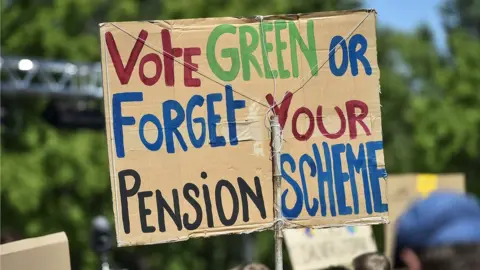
(405, 189)
(186, 102)
(311, 249)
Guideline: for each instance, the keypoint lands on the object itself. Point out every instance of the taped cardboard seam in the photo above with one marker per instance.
(356, 222)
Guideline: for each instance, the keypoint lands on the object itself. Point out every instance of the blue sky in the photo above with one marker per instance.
(405, 15)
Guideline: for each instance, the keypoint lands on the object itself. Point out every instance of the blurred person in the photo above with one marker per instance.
(371, 261)
(441, 232)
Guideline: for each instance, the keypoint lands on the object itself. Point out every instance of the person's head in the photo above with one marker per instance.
(440, 232)
(448, 257)
(371, 261)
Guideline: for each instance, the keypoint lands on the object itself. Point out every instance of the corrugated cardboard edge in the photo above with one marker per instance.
(214, 20)
(109, 129)
(212, 232)
(32, 243)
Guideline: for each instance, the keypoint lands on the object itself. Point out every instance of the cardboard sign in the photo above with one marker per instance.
(406, 188)
(311, 249)
(48, 252)
(186, 107)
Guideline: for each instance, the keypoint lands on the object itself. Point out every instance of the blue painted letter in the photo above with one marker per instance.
(294, 212)
(312, 211)
(340, 179)
(213, 120)
(119, 121)
(375, 175)
(196, 100)
(359, 54)
(172, 124)
(331, 55)
(232, 105)
(358, 164)
(154, 120)
(325, 176)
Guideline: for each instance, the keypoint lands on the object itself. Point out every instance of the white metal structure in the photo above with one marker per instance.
(23, 75)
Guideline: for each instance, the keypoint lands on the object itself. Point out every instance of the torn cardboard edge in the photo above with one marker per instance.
(247, 229)
(250, 19)
(109, 139)
(32, 243)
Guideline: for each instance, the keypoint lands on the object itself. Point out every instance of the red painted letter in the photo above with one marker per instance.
(124, 73)
(168, 54)
(352, 117)
(282, 112)
(322, 128)
(309, 132)
(189, 67)
(158, 69)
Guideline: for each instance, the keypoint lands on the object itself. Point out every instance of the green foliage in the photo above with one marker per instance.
(463, 13)
(68, 29)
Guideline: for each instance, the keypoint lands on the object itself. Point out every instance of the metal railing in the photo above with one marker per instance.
(26, 75)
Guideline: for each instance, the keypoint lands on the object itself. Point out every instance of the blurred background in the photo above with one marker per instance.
(54, 164)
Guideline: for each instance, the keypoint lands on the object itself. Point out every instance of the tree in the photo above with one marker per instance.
(443, 110)
(464, 14)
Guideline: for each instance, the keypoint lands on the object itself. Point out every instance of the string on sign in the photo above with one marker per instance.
(331, 54)
(270, 110)
(183, 63)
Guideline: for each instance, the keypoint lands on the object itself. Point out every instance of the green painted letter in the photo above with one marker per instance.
(246, 51)
(232, 53)
(281, 46)
(266, 48)
(309, 52)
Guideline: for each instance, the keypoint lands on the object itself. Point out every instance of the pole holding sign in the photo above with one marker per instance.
(277, 180)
